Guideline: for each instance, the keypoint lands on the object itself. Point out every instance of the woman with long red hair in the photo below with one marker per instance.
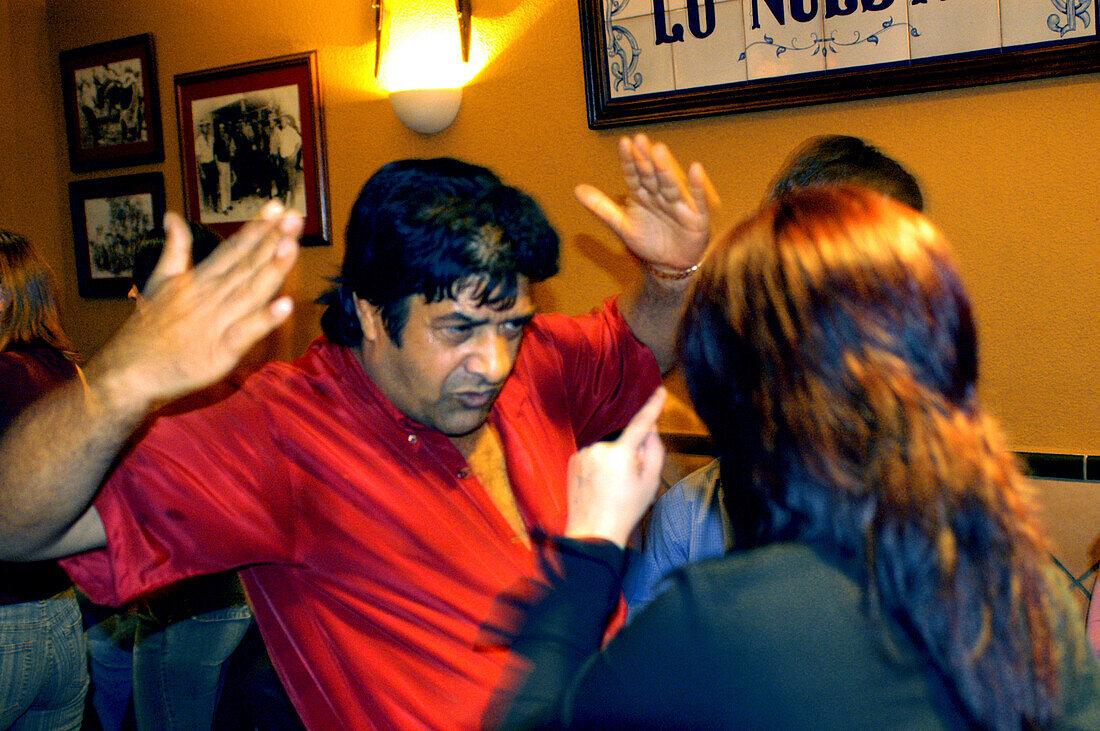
(888, 569)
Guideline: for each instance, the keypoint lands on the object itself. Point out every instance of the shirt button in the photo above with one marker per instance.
(413, 439)
(463, 474)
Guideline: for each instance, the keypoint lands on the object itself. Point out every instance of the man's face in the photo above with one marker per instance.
(453, 359)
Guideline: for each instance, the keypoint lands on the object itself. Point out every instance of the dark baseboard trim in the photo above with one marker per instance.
(1042, 465)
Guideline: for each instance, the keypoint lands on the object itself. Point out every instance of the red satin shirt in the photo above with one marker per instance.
(374, 554)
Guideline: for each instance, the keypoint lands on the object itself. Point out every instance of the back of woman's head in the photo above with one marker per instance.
(29, 313)
(831, 352)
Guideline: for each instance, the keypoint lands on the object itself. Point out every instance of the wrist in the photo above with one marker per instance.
(671, 274)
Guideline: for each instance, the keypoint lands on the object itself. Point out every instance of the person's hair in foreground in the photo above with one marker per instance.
(29, 299)
(831, 352)
(842, 159)
(435, 227)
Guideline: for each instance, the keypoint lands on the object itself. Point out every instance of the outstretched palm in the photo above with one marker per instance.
(665, 219)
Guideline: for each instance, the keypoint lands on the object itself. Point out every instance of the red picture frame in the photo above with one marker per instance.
(250, 133)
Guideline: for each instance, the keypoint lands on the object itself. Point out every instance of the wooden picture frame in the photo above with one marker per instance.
(613, 48)
(112, 104)
(110, 216)
(250, 133)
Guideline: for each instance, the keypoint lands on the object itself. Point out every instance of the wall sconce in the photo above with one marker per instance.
(421, 59)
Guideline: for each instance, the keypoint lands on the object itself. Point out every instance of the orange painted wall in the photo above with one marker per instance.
(1009, 170)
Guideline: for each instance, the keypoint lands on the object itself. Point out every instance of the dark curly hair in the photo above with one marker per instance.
(435, 227)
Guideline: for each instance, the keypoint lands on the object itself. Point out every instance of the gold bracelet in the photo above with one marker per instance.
(671, 274)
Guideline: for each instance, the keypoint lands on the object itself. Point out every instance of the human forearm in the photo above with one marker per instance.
(665, 223)
(54, 457)
(195, 326)
(653, 309)
(563, 630)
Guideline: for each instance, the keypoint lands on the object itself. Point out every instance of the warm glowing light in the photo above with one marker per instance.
(422, 48)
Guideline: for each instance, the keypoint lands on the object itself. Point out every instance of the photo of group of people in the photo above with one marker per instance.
(115, 226)
(248, 150)
(111, 104)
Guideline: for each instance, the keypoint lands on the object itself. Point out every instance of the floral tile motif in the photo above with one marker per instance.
(1037, 21)
(623, 9)
(636, 64)
(707, 61)
(866, 38)
(778, 43)
(945, 28)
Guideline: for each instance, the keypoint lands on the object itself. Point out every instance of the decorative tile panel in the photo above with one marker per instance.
(783, 38)
(636, 63)
(623, 9)
(855, 37)
(944, 28)
(1038, 21)
(707, 61)
(673, 47)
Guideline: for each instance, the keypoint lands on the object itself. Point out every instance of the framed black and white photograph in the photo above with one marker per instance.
(110, 216)
(249, 134)
(112, 104)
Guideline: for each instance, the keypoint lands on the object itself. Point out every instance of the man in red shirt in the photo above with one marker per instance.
(386, 488)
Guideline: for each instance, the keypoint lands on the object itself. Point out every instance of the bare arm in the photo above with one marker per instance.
(198, 324)
(665, 222)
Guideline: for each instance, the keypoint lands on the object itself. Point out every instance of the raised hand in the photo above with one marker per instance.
(199, 322)
(612, 484)
(666, 218)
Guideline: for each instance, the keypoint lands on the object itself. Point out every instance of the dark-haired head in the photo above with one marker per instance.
(151, 245)
(28, 298)
(845, 160)
(831, 352)
(435, 228)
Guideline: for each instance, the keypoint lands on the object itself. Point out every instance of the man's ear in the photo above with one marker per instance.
(369, 319)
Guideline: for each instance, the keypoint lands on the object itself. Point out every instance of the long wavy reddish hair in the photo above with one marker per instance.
(29, 300)
(831, 352)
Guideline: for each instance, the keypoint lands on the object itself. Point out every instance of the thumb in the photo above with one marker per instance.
(602, 206)
(176, 257)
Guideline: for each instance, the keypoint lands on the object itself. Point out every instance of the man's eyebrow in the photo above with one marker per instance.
(458, 318)
(523, 319)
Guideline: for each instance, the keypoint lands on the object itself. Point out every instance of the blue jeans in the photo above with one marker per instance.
(178, 669)
(112, 668)
(43, 670)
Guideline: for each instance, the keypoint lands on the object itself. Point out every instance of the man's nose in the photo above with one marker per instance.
(492, 357)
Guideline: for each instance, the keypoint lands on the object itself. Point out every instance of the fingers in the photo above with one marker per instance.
(703, 191)
(602, 206)
(250, 238)
(651, 458)
(644, 422)
(176, 256)
(670, 176)
(249, 282)
(249, 330)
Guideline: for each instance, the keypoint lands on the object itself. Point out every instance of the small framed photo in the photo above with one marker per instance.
(112, 104)
(251, 133)
(110, 215)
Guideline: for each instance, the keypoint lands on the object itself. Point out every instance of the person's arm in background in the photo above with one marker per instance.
(665, 548)
(687, 525)
(198, 323)
(665, 222)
